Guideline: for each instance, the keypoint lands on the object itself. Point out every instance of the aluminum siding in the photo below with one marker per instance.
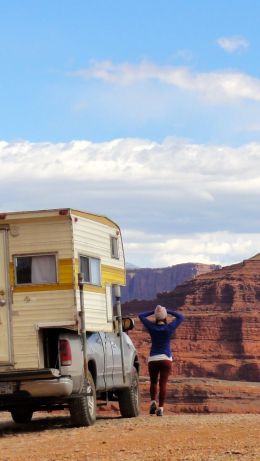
(93, 239)
(34, 304)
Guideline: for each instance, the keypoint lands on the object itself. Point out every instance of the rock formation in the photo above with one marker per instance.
(146, 283)
(220, 337)
(204, 395)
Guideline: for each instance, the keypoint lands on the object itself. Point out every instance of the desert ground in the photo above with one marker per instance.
(178, 437)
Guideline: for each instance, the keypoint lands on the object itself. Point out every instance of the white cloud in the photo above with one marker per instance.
(137, 161)
(232, 44)
(209, 248)
(187, 201)
(216, 85)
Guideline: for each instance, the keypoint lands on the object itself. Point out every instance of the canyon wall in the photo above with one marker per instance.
(146, 283)
(220, 337)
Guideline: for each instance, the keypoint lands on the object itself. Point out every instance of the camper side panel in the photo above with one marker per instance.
(98, 253)
(39, 304)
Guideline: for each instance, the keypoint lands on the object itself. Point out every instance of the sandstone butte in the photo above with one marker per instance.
(220, 337)
(145, 283)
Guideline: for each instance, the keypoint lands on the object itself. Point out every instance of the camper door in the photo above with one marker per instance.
(5, 330)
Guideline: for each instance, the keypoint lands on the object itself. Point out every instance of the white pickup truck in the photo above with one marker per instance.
(63, 343)
(62, 383)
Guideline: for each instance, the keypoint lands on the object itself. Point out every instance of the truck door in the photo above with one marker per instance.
(117, 361)
(5, 330)
(108, 360)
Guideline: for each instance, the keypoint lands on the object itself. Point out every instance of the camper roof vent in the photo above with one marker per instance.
(63, 211)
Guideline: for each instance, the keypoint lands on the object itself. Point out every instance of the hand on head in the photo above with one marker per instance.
(160, 312)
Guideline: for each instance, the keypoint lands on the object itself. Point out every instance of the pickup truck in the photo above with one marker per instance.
(63, 383)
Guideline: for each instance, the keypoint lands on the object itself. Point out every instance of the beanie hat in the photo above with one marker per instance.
(160, 312)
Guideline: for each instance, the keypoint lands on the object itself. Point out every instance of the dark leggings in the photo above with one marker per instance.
(156, 368)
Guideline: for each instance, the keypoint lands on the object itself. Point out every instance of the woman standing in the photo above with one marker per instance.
(160, 358)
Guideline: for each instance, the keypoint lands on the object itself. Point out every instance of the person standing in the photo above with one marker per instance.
(160, 358)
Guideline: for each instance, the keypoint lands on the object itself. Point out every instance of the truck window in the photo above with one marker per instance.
(38, 269)
(90, 267)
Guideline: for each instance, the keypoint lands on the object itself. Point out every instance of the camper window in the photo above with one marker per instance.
(90, 267)
(38, 269)
(114, 247)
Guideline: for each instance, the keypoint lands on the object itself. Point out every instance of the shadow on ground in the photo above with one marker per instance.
(39, 424)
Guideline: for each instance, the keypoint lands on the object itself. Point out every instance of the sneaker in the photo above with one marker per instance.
(159, 412)
(153, 408)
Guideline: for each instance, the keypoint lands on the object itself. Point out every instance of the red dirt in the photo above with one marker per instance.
(172, 437)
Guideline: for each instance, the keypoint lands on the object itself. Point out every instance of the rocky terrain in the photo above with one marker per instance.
(146, 283)
(220, 337)
(207, 395)
(206, 418)
(212, 411)
(173, 437)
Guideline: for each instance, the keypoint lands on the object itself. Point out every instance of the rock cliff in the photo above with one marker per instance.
(146, 283)
(207, 395)
(220, 337)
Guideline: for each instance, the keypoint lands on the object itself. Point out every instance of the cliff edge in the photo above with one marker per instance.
(220, 337)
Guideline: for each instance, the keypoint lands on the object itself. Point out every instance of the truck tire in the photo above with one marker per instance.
(21, 415)
(129, 398)
(83, 407)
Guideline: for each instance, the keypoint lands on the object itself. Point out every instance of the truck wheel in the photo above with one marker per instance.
(21, 415)
(129, 398)
(83, 407)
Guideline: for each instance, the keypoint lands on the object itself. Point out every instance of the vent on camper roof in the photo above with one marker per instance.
(63, 211)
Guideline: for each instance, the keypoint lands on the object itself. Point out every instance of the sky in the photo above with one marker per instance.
(144, 111)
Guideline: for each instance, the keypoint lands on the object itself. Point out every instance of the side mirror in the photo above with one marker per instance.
(127, 324)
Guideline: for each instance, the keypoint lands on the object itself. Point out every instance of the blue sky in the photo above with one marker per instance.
(117, 84)
(44, 43)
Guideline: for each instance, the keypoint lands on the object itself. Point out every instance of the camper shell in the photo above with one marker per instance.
(42, 254)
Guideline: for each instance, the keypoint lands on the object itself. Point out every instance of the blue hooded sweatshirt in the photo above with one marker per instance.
(161, 333)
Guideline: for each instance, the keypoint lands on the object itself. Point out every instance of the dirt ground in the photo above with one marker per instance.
(178, 437)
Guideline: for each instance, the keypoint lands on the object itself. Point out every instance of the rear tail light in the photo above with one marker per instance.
(65, 352)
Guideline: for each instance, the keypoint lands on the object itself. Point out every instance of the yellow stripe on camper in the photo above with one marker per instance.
(94, 289)
(65, 279)
(109, 275)
(44, 287)
(65, 270)
(113, 275)
(66, 267)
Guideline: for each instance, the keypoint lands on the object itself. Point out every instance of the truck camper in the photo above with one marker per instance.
(63, 344)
